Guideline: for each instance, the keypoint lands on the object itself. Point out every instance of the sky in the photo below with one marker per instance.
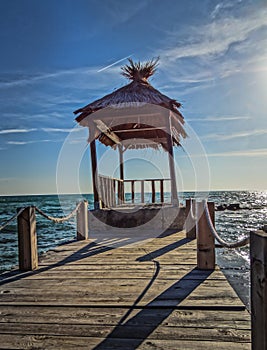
(57, 56)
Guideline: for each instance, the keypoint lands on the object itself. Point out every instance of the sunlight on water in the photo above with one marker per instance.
(231, 225)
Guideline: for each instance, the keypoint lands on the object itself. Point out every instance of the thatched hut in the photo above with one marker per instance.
(134, 116)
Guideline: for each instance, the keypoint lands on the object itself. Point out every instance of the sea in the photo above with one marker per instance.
(231, 225)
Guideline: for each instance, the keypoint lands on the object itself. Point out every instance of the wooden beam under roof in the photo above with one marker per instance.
(141, 129)
(106, 130)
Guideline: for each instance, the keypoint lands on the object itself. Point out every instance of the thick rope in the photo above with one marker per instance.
(237, 244)
(57, 220)
(11, 219)
(54, 219)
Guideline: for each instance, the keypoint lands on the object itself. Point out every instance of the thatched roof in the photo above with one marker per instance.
(137, 93)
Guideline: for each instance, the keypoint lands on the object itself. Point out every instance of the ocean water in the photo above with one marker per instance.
(231, 225)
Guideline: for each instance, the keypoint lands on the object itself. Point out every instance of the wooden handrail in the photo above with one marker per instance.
(129, 180)
(110, 177)
(111, 190)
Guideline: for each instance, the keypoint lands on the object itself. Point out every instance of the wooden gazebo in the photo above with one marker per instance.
(134, 116)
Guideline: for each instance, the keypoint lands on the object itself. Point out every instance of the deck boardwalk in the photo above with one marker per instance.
(97, 295)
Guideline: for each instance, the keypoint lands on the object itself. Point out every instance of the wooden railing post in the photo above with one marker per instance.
(109, 193)
(120, 192)
(258, 270)
(82, 221)
(190, 223)
(153, 191)
(113, 193)
(27, 240)
(142, 191)
(205, 239)
(162, 191)
(132, 190)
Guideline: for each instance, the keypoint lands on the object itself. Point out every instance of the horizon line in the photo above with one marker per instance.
(89, 193)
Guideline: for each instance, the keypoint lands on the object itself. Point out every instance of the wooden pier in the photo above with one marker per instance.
(108, 294)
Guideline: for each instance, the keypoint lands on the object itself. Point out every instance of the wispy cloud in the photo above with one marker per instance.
(218, 119)
(223, 7)
(15, 131)
(241, 134)
(261, 152)
(216, 37)
(4, 179)
(221, 48)
(126, 10)
(19, 79)
(21, 143)
(81, 76)
(65, 130)
(74, 142)
(113, 64)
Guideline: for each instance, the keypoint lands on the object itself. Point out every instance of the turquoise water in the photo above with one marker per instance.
(230, 225)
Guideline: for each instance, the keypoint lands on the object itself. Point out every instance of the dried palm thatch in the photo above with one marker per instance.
(137, 93)
(139, 71)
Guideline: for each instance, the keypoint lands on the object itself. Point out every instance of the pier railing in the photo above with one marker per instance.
(112, 191)
(27, 234)
(200, 224)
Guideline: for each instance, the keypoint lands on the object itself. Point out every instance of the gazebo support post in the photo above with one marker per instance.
(121, 191)
(94, 173)
(174, 195)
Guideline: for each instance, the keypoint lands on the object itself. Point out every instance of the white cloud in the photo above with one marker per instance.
(75, 129)
(216, 37)
(82, 77)
(224, 47)
(218, 119)
(14, 131)
(113, 64)
(19, 142)
(4, 179)
(120, 12)
(261, 152)
(216, 10)
(74, 142)
(224, 6)
(33, 78)
(241, 134)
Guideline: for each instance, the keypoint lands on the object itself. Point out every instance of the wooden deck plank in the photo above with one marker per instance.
(70, 342)
(139, 331)
(85, 315)
(148, 296)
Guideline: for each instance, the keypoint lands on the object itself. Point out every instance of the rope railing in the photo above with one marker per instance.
(14, 217)
(27, 234)
(57, 220)
(225, 244)
(48, 217)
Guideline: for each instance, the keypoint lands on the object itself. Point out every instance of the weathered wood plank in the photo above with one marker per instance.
(150, 295)
(103, 316)
(141, 331)
(69, 342)
(52, 277)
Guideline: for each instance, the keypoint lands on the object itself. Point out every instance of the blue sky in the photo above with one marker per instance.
(57, 56)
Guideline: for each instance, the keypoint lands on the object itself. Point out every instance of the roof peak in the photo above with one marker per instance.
(137, 71)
